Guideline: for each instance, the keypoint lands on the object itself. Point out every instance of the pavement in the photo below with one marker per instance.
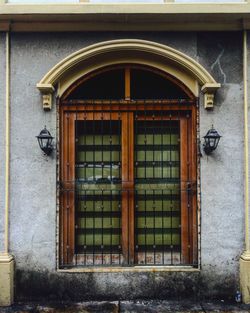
(152, 306)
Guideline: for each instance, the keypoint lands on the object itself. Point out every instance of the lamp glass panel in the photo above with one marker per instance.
(212, 142)
(45, 142)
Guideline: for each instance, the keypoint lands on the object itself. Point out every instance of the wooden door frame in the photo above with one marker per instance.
(98, 109)
(68, 114)
(67, 176)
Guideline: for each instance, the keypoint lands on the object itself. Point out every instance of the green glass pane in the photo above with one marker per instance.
(157, 139)
(166, 190)
(99, 222)
(98, 139)
(157, 156)
(90, 240)
(105, 206)
(159, 205)
(98, 155)
(158, 172)
(97, 239)
(94, 156)
(158, 222)
(165, 239)
(94, 172)
(158, 195)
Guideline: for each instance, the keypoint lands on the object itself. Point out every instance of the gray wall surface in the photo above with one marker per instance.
(222, 206)
(33, 216)
(2, 139)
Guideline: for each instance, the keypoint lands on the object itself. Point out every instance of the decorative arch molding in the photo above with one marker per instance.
(96, 56)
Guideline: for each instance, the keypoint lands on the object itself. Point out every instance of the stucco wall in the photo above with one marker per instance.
(222, 228)
(33, 176)
(2, 138)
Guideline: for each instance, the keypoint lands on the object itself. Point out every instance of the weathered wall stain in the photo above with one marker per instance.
(38, 285)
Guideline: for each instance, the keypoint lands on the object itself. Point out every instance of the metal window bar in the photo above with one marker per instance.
(171, 191)
(188, 189)
(162, 176)
(151, 135)
(75, 194)
(198, 185)
(99, 202)
(150, 250)
(68, 198)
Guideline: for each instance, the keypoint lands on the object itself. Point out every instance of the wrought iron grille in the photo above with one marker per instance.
(128, 183)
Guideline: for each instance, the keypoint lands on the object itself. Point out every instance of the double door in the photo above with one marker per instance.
(128, 187)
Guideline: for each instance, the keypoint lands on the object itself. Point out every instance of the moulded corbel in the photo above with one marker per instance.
(209, 90)
(47, 92)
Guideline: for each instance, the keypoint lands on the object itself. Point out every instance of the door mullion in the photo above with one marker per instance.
(131, 186)
(68, 196)
(128, 187)
(127, 83)
(124, 192)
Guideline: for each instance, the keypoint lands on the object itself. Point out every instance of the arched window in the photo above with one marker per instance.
(128, 170)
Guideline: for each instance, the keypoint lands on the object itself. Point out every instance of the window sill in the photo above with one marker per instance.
(129, 269)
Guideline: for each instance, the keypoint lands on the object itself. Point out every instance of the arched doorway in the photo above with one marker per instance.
(128, 169)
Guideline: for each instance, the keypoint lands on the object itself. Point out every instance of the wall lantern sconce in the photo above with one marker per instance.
(45, 141)
(212, 139)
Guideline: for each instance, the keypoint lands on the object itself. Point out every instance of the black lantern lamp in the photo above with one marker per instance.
(45, 141)
(212, 139)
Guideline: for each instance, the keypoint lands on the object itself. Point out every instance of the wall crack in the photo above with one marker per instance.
(218, 63)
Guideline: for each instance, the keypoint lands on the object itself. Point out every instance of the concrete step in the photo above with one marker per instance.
(152, 306)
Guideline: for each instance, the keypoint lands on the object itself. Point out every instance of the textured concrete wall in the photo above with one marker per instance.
(33, 176)
(222, 228)
(248, 82)
(2, 136)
